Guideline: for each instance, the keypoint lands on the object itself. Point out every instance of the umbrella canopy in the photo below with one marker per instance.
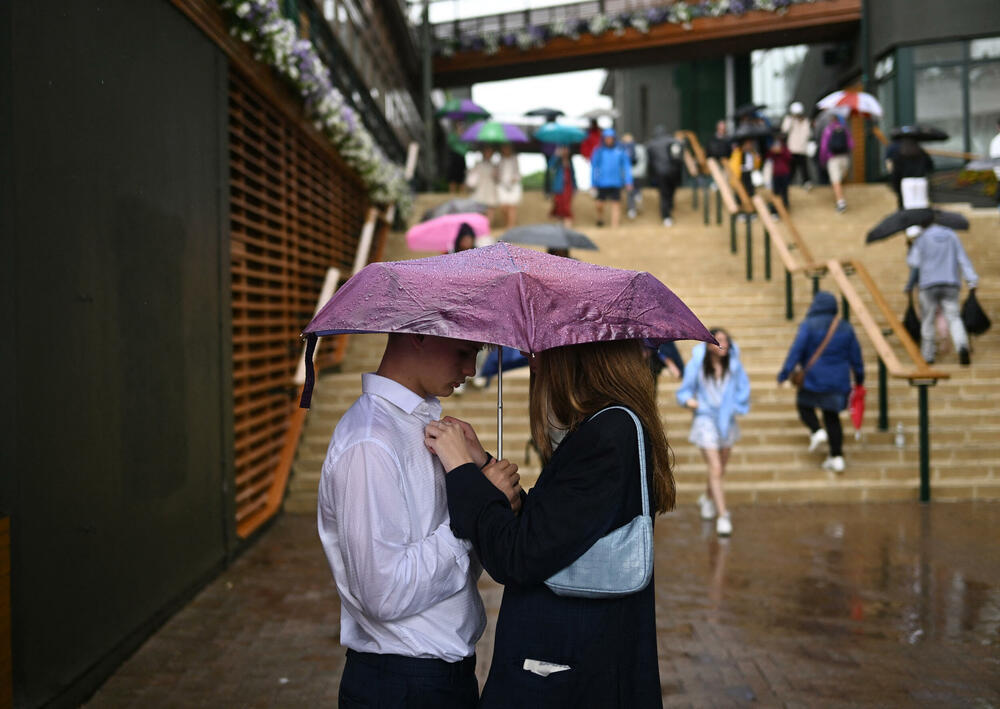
(549, 114)
(904, 218)
(461, 109)
(494, 132)
(595, 113)
(439, 234)
(919, 133)
(983, 165)
(855, 101)
(454, 206)
(750, 133)
(553, 236)
(559, 134)
(506, 295)
(748, 109)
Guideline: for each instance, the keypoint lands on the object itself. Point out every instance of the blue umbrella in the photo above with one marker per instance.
(560, 134)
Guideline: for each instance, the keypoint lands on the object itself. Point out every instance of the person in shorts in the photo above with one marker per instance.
(716, 388)
(611, 171)
(835, 150)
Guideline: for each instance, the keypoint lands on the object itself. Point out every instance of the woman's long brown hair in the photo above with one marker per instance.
(576, 381)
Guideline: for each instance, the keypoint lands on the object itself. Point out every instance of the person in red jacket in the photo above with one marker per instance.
(593, 139)
(781, 167)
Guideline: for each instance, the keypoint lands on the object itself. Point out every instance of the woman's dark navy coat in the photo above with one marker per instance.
(589, 488)
(832, 371)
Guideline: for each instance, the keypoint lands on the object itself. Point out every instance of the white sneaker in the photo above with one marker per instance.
(631, 214)
(834, 464)
(817, 438)
(723, 525)
(707, 507)
(668, 222)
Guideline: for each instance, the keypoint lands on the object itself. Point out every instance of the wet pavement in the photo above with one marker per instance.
(871, 605)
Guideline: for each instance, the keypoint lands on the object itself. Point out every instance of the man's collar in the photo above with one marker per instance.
(399, 396)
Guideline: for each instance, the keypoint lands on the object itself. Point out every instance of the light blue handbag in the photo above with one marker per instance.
(621, 562)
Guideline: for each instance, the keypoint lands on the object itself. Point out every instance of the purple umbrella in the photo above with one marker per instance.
(461, 109)
(504, 295)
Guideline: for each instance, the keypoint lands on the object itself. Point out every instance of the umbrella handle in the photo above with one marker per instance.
(499, 403)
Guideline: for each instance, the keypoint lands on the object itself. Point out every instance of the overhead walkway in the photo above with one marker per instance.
(530, 42)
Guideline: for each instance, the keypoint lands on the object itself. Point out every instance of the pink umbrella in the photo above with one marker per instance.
(439, 234)
(504, 295)
(855, 101)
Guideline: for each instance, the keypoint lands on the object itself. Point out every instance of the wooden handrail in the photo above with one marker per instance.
(871, 328)
(791, 264)
(722, 184)
(786, 221)
(741, 192)
(699, 152)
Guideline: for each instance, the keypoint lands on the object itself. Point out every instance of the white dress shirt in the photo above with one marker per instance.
(407, 585)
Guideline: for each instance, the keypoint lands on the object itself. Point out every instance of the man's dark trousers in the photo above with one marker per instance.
(667, 188)
(371, 680)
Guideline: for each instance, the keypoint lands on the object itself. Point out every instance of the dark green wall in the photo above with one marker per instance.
(702, 87)
(897, 22)
(115, 308)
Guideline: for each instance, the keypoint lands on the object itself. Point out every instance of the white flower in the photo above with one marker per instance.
(243, 10)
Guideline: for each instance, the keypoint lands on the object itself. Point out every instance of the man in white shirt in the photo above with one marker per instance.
(411, 613)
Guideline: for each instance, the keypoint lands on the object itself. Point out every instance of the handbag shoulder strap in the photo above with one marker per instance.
(643, 488)
(824, 343)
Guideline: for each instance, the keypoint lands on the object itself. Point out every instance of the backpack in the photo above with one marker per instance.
(838, 141)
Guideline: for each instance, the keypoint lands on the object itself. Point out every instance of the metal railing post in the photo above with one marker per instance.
(718, 206)
(815, 284)
(883, 396)
(749, 248)
(789, 314)
(767, 255)
(732, 233)
(708, 209)
(925, 445)
(846, 308)
(694, 193)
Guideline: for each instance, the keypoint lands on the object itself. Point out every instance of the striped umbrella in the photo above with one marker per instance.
(855, 101)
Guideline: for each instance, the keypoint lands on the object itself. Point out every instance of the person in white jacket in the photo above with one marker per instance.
(509, 190)
(799, 131)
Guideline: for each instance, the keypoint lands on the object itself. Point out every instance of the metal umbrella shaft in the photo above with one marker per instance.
(500, 403)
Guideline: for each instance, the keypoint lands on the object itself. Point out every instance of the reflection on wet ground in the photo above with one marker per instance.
(833, 605)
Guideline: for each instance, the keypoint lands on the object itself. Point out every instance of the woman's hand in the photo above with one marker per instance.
(503, 474)
(447, 441)
(691, 403)
(479, 456)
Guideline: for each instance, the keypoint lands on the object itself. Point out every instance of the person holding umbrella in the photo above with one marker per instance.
(563, 182)
(717, 389)
(798, 129)
(940, 260)
(411, 612)
(665, 167)
(594, 419)
(821, 360)
(611, 170)
(457, 148)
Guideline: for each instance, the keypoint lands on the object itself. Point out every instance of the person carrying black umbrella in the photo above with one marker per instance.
(941, 262)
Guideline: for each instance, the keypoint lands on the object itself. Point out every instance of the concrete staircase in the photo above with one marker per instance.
(770, 463)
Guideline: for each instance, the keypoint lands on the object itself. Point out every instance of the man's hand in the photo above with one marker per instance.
(447, 441)
(479, 456)
(503, 474)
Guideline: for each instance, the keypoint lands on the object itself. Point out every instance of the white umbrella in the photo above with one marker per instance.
(855, 101)
(601, 113)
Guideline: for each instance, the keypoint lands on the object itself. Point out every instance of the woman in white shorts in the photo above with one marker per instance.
(716, 388)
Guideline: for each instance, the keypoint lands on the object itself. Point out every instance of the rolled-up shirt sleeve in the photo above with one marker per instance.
(391, 571)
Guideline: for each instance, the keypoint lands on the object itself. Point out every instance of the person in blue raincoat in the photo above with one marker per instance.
(611, 170)
(827, 383)
(717, 389)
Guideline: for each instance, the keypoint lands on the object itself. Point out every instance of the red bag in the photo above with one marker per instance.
(856, 403)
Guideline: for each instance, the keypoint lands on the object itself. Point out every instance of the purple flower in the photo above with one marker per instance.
(736, 7)
(509, 40)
